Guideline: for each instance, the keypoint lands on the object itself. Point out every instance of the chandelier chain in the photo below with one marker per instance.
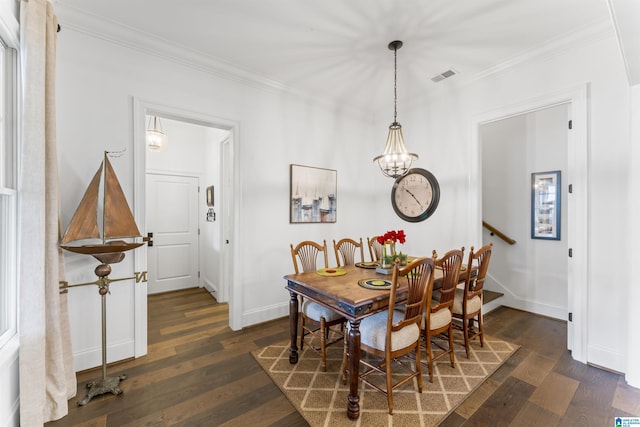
(395, 84)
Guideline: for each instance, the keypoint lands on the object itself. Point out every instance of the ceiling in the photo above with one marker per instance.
(336, 50)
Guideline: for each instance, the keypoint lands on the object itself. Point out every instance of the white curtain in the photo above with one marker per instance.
(47, 375)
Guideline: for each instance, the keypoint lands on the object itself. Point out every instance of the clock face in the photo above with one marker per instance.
(415, 196)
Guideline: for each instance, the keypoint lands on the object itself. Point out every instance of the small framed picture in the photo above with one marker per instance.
(545, 205)
(210, 196)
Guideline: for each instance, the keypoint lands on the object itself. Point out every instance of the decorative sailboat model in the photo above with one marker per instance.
(117, 224)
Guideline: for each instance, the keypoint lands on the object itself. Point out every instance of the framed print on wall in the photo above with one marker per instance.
(545, 205)
(313, 195)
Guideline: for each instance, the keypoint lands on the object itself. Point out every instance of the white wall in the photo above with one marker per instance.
(532, 273)
(96, 82)
(210, 237)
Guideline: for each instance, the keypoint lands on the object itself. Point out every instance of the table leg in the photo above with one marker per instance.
(353, 407)
(293, 327)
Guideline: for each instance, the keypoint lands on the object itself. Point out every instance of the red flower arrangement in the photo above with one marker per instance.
(393, 237)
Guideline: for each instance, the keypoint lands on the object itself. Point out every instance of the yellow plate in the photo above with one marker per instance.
(379, 284)
(366, 264)
(331, 271)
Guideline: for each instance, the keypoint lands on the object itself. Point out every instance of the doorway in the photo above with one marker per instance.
(175, 164)
(532, 273)
(576, 175)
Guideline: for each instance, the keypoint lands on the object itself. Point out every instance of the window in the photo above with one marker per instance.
(8, 196)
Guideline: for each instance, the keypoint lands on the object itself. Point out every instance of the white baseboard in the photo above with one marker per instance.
(212, 289)
(93, 357)
(492, 305)
(264, 314)
(509, 299)
(604, 357)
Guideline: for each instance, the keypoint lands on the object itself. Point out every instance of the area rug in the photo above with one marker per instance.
(321, 397)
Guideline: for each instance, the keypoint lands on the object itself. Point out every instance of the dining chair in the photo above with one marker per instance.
(345, 250)
(394, 333)
(307, 252)
(375, 248)
(467, 303)
(438, 314)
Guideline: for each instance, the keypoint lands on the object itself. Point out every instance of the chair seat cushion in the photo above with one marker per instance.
(315, 311)
(438, 319)
(373, 331)
(473, 305)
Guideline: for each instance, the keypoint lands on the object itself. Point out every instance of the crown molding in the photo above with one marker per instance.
(552, 48)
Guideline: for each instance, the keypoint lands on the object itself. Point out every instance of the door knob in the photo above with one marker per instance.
(148, 239)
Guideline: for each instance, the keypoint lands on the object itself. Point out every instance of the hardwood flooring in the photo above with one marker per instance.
(200, 373)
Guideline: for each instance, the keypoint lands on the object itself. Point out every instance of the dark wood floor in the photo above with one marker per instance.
(200, 373)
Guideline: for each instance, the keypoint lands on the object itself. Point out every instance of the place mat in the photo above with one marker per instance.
(366, 264)
(321, 397)
(378, 284)
(331, 272)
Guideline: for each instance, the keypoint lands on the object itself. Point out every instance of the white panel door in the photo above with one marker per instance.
(172, 217)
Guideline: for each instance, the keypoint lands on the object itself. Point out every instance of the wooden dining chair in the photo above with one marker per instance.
(438, 313)
(320, 317)
(345, 250)
(394, 333)
(467, 303)
(375, 248)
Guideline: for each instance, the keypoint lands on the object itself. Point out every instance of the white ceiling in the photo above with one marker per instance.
(337, 49)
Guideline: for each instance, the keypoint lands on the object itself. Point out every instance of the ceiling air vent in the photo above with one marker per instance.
(442, 76)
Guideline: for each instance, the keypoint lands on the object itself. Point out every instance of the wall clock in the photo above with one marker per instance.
(415, 196)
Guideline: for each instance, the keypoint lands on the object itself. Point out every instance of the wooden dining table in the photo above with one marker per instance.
(342, 294)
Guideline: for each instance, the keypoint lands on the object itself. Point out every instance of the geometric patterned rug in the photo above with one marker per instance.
(321, 397)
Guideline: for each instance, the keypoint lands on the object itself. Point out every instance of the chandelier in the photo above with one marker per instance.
(395, 161)
(156, 139)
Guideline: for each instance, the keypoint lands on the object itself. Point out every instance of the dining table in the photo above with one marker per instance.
(343, 292)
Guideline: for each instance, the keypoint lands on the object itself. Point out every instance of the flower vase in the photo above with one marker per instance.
(385, 261)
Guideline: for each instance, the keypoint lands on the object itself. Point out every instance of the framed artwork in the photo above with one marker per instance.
(313, 194)
(210, 195)
(545, 205)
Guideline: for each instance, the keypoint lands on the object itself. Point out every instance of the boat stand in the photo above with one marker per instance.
(105, 384)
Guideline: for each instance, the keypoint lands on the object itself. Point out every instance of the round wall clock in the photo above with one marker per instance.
(415, 196)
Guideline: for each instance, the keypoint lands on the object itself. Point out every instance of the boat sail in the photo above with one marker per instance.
(117, 220)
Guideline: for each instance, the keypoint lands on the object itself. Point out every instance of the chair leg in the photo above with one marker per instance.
(451, 355)
(323, 343)
(480, 330)
(302, 333)
(427, 339)
(419, 367)
(387, 363)
(465, 332)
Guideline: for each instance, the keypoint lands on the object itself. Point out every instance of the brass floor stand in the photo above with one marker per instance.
(105, 384)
